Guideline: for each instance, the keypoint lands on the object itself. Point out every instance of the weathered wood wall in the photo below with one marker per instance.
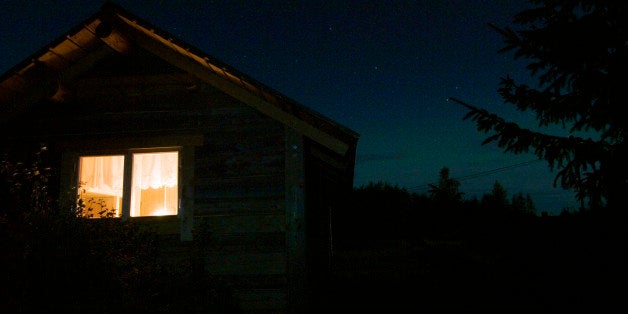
(240, 199)
(244, 176)
(238, 184)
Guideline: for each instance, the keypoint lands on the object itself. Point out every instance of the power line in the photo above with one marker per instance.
(500, 169)
(481, 174)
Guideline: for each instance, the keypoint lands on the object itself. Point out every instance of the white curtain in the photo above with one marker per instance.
(155, 170)
(102, 174)
(105, 175)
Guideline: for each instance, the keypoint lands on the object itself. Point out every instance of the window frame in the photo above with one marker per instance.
(74, 146)
(125, 211)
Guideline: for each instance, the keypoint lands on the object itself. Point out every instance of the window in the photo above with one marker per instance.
(135, 184)
(100, 185)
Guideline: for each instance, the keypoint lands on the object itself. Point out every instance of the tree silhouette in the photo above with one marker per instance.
(447, 190)
(497, 199)
(523, 203)
(579, 53)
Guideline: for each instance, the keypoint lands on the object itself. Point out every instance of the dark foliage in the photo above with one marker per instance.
(401, 252)
(52, 260)
(378, 213)
(363, 212)
(446, 192)
(578, 52)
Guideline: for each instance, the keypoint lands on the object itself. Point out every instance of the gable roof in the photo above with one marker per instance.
(42, 74)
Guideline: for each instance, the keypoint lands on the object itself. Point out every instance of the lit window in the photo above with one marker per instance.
(155, 184)
(100, 185)
(153, 178)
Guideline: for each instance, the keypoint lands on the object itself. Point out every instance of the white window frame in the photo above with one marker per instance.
(73, 148)
(128, 174)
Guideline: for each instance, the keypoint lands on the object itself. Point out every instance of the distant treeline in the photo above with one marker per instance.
(381, 212)
(490, 253)
(484, 254)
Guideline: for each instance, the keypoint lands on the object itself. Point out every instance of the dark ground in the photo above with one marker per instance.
(546, 265)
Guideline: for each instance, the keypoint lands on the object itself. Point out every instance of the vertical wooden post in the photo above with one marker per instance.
(127, 186)
(68, 192)
(295, 221)
(186, 190)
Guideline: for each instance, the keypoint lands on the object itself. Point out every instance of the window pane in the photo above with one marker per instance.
(100, 185)
(155, 190)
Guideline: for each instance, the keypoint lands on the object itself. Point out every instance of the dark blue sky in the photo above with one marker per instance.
(382, 68)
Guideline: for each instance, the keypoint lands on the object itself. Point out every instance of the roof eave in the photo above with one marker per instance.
(115, 29)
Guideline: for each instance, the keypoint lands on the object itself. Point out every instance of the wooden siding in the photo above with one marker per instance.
(296, 221)
(239, 200)
(237, 191)
(258, 190)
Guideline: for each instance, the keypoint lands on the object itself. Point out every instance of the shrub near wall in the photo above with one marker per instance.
(52, 260)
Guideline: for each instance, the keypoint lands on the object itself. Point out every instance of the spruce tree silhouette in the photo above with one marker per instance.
(578, 55)
(578, 52)
(497, 199)
(446, 193)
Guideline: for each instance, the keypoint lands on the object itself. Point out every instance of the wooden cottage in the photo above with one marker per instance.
(160, 132)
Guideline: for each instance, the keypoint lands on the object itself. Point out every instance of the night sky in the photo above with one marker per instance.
(382, 68)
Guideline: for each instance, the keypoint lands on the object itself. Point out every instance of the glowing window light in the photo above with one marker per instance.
(154, 184)
(154, 188)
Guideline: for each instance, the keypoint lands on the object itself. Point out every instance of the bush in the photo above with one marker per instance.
(54, 260)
